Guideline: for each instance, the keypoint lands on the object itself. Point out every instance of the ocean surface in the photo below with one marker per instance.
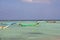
(44, 31)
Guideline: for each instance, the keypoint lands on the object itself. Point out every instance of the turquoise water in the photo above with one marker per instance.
(44, 31)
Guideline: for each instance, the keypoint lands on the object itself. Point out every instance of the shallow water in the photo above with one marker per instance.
(45, 31)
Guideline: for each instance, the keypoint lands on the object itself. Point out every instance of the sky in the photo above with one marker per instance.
(29, 9)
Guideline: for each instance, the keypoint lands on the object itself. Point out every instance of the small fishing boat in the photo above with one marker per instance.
(29, 24)
(6, 25)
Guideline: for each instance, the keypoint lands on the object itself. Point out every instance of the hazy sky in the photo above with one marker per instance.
(29, 9)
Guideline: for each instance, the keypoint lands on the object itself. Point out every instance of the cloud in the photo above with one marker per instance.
(26, 0)
(37, 1)
(41, 1)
